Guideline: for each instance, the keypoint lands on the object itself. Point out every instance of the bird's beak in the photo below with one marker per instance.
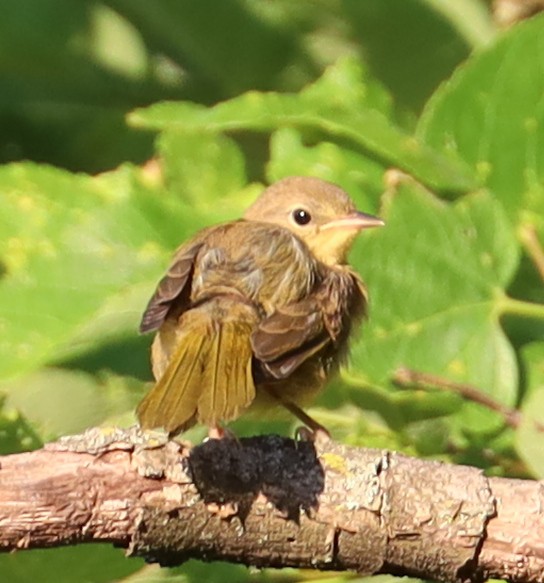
(356, 221)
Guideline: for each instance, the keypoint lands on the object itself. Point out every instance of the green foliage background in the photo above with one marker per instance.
(127, 125)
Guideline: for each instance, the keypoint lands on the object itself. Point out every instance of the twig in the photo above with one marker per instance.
(509, 12)
(409, 378)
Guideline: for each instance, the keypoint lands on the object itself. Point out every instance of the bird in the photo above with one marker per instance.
(258, 310)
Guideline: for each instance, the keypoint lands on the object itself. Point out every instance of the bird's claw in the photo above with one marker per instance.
(318, 436)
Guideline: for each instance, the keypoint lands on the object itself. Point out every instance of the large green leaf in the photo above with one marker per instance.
(205, 170)
(65, 90)
(61, 402)
(410, 45)
(436, 275)
(194, 36)
(359, 175)
(490, 113)
(69, 244)
(326, 106)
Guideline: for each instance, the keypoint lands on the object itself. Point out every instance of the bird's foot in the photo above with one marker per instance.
(225, 510)
(312, 431)
(220, 433)
(319, 436)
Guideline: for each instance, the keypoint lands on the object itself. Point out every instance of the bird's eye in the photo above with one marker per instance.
(301, 217)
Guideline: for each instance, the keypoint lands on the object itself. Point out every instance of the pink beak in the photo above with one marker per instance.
(356, 220)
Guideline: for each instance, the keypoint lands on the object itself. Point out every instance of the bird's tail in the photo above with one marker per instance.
(208, 377)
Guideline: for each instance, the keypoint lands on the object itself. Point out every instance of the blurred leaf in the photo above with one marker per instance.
(471, 18)
(362, 177)
(203, 169)
(490, 114)
(219, 572)
(532, 357)
(436, 275)
(96, 563)
(396, 408)
(98, 349)
(333, 111)
(16, 434)
(410, 46)
(530, 434)
(81, 255)
(58, 402)
(227, 47)
(69, 244)
(60, 102)
(384, 579)
(430, 437)
(348, 83)
(153, 574)
(194, 571)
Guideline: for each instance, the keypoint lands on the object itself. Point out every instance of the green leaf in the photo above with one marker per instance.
(530, 433)
(325, 107)
(60, 402)
(69, 244)
(193, 36)
(389, 35)
(532, 356)
(436, 274)
(490, 114)
(203, 169)
(471, 18)
(359, 175)
(154, 574)
(96, 563)
(220, 572)
(16, 434)
(62, 101)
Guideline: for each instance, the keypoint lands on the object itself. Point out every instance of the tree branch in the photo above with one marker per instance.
(270, 502)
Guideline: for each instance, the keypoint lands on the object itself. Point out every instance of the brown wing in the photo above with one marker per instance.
(173, 289)
(297, 331)
(284, 340)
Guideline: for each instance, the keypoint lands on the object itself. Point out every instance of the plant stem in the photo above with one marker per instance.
(513, 307)
(533, 246)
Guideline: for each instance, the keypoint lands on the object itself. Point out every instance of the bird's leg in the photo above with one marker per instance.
(218, 432)
(318, 436)
(316, 433)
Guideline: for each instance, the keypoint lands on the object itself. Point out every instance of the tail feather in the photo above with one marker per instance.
(209, 375)
(227, 378)
(172, 402)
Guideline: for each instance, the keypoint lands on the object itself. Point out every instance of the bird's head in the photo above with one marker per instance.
(320, 213)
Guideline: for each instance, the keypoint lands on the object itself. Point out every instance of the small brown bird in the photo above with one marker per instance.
(259, 307)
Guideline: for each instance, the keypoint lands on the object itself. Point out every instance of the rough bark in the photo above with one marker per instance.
(268, 501)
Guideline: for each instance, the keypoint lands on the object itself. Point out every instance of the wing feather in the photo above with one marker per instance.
(322, 320)
(173, 289)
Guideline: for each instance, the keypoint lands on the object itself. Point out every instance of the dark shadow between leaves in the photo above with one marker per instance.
(288, 473)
